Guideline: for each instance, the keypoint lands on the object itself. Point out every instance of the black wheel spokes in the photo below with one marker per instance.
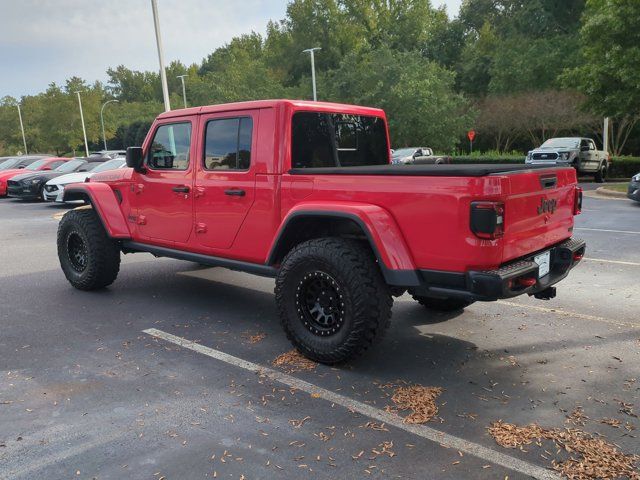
(77, 252)
(320, 304)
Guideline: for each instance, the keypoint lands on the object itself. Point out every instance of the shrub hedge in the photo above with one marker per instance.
(621, 167)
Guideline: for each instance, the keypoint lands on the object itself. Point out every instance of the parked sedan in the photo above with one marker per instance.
(417, 156)
(54, 189)
(634, 188)
(27, 164)
(30, 186)
(16, 163)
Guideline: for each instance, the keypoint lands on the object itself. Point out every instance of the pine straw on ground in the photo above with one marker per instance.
(293, 361)
(417, 398)
(589, 457)
(253, 339)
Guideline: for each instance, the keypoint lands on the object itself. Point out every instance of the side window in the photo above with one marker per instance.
(170, 147)
(54, 165)
(592, 146)
(583, 144)
(228, 144)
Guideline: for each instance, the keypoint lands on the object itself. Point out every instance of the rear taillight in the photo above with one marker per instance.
(577, 201)
(487, 219)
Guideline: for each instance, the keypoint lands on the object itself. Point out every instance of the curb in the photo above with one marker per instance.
(604, 191)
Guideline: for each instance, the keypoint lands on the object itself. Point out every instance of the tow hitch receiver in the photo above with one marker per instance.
(546, 294)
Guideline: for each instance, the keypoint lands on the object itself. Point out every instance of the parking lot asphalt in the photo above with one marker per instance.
(86, 393)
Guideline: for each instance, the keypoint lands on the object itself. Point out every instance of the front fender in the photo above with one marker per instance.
(104, 201)
(378, 225)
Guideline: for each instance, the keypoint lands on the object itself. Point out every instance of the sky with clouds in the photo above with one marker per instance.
(44, 41)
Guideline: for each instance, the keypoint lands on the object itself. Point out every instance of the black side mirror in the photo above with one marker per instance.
(584, 148)
(135, 159)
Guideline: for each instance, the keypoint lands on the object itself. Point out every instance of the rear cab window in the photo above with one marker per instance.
(337, 140)
(228, 144)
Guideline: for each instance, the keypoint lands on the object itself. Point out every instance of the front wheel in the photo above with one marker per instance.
(442, 304)
(89, 258)
(332, 300)
(601, 174)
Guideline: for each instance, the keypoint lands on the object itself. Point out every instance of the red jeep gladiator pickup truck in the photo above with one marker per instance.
(305, 192)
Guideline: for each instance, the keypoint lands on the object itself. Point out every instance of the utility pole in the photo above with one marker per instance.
(84, 130)
(313, 69)
(24, 139)
(163, 73)
(605, 135)
(184, 92)
(104, 138)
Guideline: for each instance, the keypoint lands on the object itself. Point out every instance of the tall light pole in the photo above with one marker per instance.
(163, 73)
(313, 69)
(24, 139)
(184, 92)
(84, 130)
(104, 137)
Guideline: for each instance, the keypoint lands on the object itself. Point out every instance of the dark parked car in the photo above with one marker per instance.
(634, 188)
(30, 186)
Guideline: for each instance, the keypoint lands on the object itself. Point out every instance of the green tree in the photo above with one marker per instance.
(608, 71)
(416, 94)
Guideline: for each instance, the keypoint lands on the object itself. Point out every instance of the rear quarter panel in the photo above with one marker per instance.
(431, 212)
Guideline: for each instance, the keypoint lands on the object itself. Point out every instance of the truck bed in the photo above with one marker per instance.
(466, 170)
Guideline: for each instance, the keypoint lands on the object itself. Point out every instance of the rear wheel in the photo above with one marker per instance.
(601, 174)
(442, 304)
(88, 257)
(332, 300)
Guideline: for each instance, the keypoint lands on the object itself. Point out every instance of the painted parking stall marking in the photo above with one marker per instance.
(428, 433)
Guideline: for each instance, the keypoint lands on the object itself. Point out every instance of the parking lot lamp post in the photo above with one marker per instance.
(24, 139)
(313, 69)
(104, 138)
(184, 92)
(84, 130)
(163, 73)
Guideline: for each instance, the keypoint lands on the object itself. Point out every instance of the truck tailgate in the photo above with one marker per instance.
(538, 210)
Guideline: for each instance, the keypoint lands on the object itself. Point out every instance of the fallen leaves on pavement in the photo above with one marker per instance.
(589, 457)
(293, 361)
(419, 399)
(253, 339)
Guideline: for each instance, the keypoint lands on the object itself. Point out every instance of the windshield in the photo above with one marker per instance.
(69, 167)
(337, 140)
(6, 164)
(562, 143)
(36, 165)
(404, 152)
(110, 165)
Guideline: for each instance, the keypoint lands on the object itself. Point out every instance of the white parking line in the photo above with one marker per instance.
(423, 431)
(617, 262)
(568, 313)
(604, 230)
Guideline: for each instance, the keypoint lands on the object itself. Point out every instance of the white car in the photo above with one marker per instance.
(54, 189)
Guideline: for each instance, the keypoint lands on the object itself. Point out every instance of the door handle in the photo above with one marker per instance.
(181, 189)
(237, 193)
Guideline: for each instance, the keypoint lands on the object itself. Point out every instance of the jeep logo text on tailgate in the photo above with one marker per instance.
(547, 206)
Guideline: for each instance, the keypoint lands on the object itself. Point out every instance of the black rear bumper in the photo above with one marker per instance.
(510, 280)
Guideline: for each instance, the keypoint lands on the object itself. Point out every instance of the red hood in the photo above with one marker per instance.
(7, 174)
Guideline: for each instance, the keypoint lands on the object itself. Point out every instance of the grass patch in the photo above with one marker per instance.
(618, 187)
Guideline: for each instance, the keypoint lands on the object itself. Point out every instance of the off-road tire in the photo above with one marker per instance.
(89, 258)
(442, 304)
(350, 267)
(601, 174)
